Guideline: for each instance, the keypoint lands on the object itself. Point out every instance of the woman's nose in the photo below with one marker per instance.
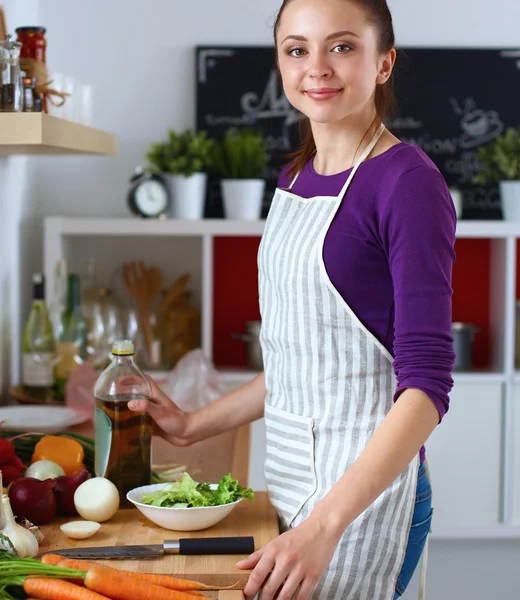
(319, 67)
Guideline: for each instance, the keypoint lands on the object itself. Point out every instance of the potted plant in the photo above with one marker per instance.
(241, 159)
(500, 163)
(183, 161)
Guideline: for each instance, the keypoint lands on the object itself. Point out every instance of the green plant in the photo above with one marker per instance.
(500, 159)
(183, 153)
(241, 154)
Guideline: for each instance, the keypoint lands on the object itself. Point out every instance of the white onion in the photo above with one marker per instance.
(96, 499)
(80, 530)
(44, 469)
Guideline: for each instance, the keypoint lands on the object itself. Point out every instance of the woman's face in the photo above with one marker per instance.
(329, 59)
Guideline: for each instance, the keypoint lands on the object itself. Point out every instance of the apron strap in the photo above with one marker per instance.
(294, 180)
(362, 158)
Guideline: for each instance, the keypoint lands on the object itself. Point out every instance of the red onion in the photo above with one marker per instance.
(33, 499)
(65, 488)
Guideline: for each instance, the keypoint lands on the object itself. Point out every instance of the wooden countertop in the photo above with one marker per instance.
(129, 526)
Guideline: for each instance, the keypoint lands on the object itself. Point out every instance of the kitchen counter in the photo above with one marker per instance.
(129, 526)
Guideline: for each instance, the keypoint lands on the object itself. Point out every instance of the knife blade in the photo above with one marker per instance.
(223, 545)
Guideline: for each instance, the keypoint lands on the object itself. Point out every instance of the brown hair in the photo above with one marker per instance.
(379, 16)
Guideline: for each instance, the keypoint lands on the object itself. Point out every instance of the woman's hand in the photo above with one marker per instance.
(170, 421)
(292, 564)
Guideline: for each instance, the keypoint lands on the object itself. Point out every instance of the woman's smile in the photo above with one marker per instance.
(321, 94)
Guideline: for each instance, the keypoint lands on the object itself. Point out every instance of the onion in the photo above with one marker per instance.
(97, 499)
(33, 499)
(44, 469)
(65, 489)
(80, 530)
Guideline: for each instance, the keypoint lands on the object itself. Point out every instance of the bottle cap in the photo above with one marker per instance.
(38, 286)
(123, 347)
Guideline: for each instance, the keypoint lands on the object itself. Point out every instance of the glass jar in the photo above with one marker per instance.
(11, 96)
(34, 44)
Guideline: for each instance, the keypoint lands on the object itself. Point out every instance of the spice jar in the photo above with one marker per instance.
(33, 42)
(31, 99)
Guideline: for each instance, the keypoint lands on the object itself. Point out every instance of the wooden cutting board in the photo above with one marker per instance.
(129, 526)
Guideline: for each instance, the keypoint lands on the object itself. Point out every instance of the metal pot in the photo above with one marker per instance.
(253, 348)
(463, 335)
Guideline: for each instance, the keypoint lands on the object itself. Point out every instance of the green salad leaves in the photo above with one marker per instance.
(188, 493)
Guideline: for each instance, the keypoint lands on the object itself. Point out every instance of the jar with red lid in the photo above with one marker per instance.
(33, 42)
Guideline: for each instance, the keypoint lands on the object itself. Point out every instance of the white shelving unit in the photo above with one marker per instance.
(474, 456)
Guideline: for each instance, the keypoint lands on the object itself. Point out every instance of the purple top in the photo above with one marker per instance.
(389, 252)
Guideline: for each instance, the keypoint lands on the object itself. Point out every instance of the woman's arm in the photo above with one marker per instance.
(241, 406)
(180, 428)
(392, 447)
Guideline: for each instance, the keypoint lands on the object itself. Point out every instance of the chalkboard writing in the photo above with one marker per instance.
(451, 101)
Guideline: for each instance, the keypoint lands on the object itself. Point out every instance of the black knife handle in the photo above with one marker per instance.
(229, 545)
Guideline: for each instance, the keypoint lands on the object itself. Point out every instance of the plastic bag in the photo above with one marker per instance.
(194, 382)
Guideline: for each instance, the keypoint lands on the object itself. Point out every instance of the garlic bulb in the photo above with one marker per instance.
(24, 542)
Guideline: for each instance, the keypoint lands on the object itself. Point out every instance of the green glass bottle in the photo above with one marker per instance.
(71, 347)
(38, 348)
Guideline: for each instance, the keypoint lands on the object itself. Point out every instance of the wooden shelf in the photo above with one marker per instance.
(38, 133)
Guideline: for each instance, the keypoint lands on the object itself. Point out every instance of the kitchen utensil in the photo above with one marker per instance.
(11, 87)
(224, 545)
(143, 284)
(174, 292)
(3, 26)
(179, 519)
(254, 350)
(463, 335)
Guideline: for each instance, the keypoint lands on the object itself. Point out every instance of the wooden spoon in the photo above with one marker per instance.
(177, 289)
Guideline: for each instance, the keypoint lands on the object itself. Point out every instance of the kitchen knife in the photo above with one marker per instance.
(223, 545)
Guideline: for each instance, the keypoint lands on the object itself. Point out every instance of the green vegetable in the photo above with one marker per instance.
(188, 493)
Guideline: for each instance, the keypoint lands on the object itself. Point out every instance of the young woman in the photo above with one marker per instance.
(355, 295)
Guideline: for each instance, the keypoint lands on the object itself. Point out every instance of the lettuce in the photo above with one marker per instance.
(187, 493)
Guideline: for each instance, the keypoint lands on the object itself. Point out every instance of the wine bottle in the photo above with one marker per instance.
(38, 346)
(71, 346)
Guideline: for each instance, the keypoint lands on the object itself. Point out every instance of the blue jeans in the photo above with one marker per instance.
(421, 521)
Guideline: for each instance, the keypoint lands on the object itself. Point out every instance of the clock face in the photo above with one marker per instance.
(151, 198)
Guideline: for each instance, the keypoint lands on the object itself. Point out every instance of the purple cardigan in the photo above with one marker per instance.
(390, 252)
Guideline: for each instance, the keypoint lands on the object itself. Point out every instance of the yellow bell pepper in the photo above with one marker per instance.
(66, 452)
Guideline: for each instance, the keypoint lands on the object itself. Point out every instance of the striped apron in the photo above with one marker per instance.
(330, 384)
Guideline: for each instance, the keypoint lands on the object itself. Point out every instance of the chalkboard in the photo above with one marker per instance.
(451, 101)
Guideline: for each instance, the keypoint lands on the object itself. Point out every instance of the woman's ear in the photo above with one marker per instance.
(386, 66)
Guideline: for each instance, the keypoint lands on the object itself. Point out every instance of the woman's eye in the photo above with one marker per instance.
(296, 52)
(342, 49)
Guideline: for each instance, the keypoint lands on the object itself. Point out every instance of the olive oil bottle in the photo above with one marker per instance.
(123, 438)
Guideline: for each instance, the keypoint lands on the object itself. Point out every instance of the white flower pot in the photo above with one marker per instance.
(243, 198)
(188, 196)
(510, 197)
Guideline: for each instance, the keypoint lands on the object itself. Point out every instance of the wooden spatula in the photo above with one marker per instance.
(3, 26)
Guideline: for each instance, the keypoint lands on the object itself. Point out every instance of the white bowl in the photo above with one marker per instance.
(179, 519)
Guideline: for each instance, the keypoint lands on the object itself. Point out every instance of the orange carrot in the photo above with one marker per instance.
(49, 588)
(167, 581)
(119, 586)
(51, 559)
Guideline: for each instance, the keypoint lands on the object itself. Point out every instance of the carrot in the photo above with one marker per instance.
(119, 586)
(167, 581)
(47, 588)
(51, 559)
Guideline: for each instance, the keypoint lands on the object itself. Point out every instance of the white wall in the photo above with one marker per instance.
(16, 249)
(139, 56)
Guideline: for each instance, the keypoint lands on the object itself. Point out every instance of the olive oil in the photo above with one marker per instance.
(123, 437)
